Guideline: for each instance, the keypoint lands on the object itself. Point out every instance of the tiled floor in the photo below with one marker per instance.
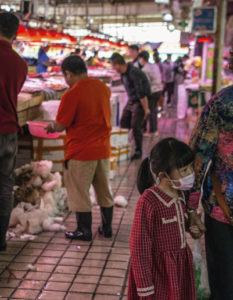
(74, 270)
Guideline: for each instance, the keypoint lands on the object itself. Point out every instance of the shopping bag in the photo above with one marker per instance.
(201, 275)
(182, 103)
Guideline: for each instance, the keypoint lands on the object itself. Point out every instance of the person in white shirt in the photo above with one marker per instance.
(169, 78)
(153, 74)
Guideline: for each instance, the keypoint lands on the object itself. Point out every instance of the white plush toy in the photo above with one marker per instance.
(120, 201)
(42, 168)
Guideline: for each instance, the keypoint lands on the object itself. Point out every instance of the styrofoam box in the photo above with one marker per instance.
(49, 109)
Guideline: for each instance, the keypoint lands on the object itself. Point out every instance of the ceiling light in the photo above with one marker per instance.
(162, 1)
(167, 17)
(171, 27)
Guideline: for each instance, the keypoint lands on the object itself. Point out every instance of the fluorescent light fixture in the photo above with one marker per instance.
(162, 1)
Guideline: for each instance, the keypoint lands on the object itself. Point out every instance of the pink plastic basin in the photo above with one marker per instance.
(37, 128)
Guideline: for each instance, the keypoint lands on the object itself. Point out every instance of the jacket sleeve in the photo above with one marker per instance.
(204, 142)
(141, 248)
(136, 76)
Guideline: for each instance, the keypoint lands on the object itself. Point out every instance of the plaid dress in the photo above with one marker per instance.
(161, 261)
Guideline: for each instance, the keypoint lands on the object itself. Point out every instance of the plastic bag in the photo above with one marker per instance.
(201, 275)
(182, 103)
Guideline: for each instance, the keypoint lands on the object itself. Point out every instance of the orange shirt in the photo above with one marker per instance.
(86, 113)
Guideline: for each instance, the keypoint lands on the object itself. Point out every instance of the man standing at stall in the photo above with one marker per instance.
(13, 72)
(85, 114)
(138, 89)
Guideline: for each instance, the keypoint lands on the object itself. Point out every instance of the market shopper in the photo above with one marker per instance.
(133, 53)
(168, 79)
(212, 142)
(153, 74)
(157, 61)
(137, 109)
(180, 74)
(161, 265)
(13, 72)
(85, 114)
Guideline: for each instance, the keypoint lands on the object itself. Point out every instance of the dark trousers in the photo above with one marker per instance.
(154, 98)
(132, 118)
(8, 149)
(169, 88)
(219, 254)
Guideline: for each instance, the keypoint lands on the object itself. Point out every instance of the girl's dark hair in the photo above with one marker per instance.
(166, 155)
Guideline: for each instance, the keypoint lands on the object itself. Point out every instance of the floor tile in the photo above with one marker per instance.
(37, 275)
(83, 288)
(32, 284)
(79, 296)
(66, 269)
(5, 283)
(25, 294)
(57, 286)
(62, 277)
(109, 290)
(94, 263)
(70, 262)
(106, 297)
(74, 254)
(86, 279)
(107, 280)
(114, 272)
(90, 271)
(47, 295)
(117, 265)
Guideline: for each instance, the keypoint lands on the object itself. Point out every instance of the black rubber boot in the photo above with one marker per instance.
(4, 222)
(136, 155)
(106, 229)
(83, 231)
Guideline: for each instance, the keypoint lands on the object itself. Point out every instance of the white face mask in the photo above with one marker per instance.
(186, 183)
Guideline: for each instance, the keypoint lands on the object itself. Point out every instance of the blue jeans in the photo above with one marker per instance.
(8, 150)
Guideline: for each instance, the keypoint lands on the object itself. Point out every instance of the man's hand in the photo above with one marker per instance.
(196, 227)
(50, 128)
(55, 127)
(147, 112)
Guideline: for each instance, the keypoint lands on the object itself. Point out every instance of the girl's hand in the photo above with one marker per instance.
(195, 232)
(195, 220)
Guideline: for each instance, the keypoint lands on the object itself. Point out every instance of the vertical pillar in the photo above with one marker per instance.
(219, 44)
(46, 9)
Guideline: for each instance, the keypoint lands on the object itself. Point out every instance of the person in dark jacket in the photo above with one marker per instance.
(133, 53)
(138, 89)
(13, 72)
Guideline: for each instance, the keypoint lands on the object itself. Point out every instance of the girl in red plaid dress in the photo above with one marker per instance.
(161, 261)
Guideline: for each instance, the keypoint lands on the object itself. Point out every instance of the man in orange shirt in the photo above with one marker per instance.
(85, 114)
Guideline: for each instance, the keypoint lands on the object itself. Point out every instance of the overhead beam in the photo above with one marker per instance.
(94, 10)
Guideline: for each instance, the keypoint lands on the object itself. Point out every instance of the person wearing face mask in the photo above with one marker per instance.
(85, 114)
(161, 260)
